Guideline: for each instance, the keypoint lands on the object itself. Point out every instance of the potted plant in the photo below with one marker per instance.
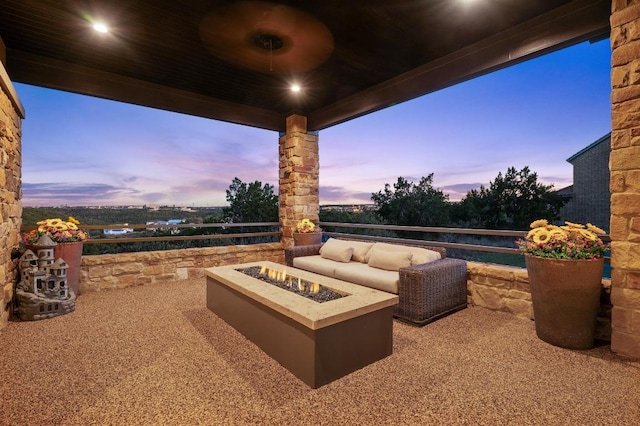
(69, 241)
(306, 233)
(565, 265)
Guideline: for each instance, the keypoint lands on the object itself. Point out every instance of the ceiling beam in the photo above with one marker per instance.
(54, 74)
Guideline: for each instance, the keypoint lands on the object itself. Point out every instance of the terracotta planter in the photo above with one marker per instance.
(307, 239)
(71, 253)
(566, 299)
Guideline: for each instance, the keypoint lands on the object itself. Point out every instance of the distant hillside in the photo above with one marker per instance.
(117, 215)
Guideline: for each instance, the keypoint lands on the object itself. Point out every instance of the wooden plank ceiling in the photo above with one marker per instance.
(235, 60)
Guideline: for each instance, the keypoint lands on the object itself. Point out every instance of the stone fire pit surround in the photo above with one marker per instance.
(317, 342)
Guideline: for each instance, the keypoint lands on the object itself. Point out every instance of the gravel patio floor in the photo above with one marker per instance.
(155, 355)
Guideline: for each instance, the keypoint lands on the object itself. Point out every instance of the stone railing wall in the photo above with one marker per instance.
(11, 113)
(506, 289)
(495, 287)
(111, 271)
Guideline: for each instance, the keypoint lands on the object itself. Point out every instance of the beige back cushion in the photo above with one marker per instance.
(333, 249)
(389, 260)
(420, 255)
(360, 250)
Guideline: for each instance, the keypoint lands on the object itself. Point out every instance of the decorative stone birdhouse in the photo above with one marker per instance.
(43, 291)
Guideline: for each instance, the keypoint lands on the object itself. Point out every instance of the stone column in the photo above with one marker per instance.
(625, 177)
(299, 176)
(11, 114)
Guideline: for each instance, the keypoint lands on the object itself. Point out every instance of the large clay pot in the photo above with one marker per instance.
(71, 253)
(307, 239)
(566, 299)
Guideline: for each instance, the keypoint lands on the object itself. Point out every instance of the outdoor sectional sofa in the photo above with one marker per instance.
(429, 285)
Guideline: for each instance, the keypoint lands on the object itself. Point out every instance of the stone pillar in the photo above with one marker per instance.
(11, 114)
(298, 177)
(625, 177)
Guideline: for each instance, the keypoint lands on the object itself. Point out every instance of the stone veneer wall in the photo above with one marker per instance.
(625, 177)
(298, 177)
(11, 113)
(506, 289)
(111, 271)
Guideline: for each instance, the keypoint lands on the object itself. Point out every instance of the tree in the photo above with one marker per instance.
(251, 202)
(361, 217)
(412, 205)
(512, 201)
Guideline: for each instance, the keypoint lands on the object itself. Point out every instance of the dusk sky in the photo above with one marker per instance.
(84, 151)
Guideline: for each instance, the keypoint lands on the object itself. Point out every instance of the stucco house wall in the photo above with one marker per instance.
(589, 196)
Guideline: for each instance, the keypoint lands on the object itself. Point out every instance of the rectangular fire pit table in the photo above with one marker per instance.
(317, 342)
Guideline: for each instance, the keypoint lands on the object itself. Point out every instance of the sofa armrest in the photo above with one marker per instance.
(431, 290)
(296, 251)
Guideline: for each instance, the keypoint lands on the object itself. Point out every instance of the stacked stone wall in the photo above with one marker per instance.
(111, 271)
(10, 193)
(298, 176)
(506, 289)
(625, 177)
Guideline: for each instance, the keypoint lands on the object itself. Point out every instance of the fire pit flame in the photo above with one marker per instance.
(310, 290)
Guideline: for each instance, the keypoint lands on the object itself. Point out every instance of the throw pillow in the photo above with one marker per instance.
(360, 250)
(336, 250)
(389, 260)
(420, 255)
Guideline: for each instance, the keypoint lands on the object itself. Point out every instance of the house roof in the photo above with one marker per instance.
(235, 60)
(606, 137)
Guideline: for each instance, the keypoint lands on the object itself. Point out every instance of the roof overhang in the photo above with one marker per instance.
(160, 56)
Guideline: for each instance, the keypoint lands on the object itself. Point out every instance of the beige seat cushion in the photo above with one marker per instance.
(364, 275)
(316, 264)
(420, 255)
(338, 250)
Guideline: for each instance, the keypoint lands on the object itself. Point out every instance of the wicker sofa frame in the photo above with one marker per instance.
(426, 292)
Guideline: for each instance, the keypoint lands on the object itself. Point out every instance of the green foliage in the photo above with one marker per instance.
(343, 216)
(251, 202)
(512, 201)
(412, 204)
(362, 217)
(117, 215)
(114, 248)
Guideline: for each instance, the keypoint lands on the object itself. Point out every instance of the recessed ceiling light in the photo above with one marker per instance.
(100, 27)
(295, 88)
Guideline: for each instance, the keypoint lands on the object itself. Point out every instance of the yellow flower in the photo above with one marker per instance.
(305, 226)
(595, 229)
(59, 230)
(574, 225)
(539, 223)
(570, 241)
(539, 235)
(557, 234)
(588, 234)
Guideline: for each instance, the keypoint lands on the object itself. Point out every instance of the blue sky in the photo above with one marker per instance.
(79, 150)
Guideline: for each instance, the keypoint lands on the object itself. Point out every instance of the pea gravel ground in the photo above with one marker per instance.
(155, 355)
